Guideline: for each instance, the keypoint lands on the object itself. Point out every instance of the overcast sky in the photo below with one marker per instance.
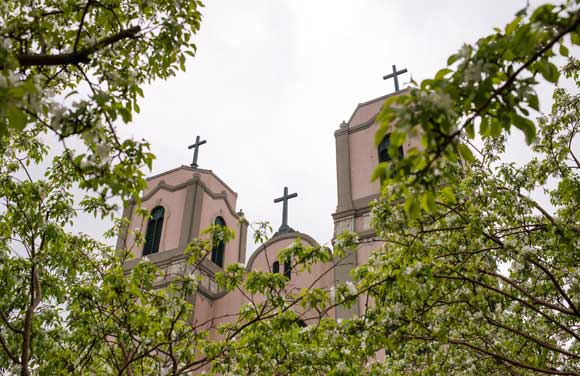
(272, 80)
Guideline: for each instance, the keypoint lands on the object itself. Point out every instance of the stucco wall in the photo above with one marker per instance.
(211, 209)
(320, 276)
(172, 203)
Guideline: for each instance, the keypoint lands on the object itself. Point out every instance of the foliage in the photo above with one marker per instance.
(73, 72)
(78, 69)
(478, 274)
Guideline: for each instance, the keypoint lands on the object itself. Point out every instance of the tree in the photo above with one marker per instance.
(78, 69)
(73, 71)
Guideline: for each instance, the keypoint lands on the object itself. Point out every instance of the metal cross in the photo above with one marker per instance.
(394, 75)
(196, 146)
(284, 199)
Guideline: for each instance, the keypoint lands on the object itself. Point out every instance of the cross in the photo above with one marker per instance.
(394, 75)
(284, 199)
(196, 146)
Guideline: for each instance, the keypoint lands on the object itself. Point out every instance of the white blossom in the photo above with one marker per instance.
(351, 287)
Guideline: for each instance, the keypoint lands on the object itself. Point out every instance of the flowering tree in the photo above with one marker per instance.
(77, 68)
(73, 71)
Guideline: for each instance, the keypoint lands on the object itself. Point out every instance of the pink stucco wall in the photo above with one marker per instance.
(172, 203)
(170, 191)
(320, 275)
(365, 112)
(216, 185)
(364, 158)
(171, 177)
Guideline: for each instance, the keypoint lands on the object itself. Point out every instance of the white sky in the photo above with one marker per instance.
(272, 81)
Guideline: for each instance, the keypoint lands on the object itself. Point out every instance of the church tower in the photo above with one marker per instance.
(356, 157)
(183, 202)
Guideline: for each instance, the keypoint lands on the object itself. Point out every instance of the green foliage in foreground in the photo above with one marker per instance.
(477, 275)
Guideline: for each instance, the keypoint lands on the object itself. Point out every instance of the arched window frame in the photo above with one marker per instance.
(218, 251)
(383, 149)
(154, 231)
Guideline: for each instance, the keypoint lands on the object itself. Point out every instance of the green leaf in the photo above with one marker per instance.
(428, 201)
(448, 195)
(548, 70)
(512, 25)
(470, 129)
(452, 59)
(16, 118)
(398, 137)
(485, 128)
(466, 153)
(442, 73)
(125, 114)
(564, 50)
(533, 102)
(412, 208)
(575, 38)
(525, 125)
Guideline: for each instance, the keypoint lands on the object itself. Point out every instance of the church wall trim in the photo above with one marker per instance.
(198, 170)
(277, 238)
(360, 206)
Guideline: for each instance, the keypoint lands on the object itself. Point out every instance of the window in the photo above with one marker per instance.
(288, 269)
(383, 150)
(217, 253)
(153, 234)
(276, 267)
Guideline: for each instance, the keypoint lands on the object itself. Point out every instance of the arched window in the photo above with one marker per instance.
(217, 253)
(276, 267)
(300, 323)
(153, 234)
(383, 149)
(287, 269)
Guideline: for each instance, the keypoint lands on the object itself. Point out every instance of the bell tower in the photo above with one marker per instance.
(356, 157)
(183, 202)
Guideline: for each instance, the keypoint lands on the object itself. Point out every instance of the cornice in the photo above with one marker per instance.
(199, 170)
(193, 181)
(274, 239)
(360, 206)
(358, 127)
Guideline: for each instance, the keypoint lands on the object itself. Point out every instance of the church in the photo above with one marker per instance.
(187, 199)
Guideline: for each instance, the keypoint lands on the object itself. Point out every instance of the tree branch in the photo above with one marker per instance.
(10, 326)
(80, 29)
(465, 343)
(82, 56)
(12, 357)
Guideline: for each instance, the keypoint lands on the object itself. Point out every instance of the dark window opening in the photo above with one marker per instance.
(217, 253)
(276, 267)
(383, 150)
(153, 234)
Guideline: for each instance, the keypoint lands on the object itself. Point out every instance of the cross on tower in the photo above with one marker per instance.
(394, 75)
(196, 146)
(284, 199)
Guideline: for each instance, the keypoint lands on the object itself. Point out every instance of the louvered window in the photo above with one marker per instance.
(276, 267)
(153, 234)
(383, 150)
(217, 253)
